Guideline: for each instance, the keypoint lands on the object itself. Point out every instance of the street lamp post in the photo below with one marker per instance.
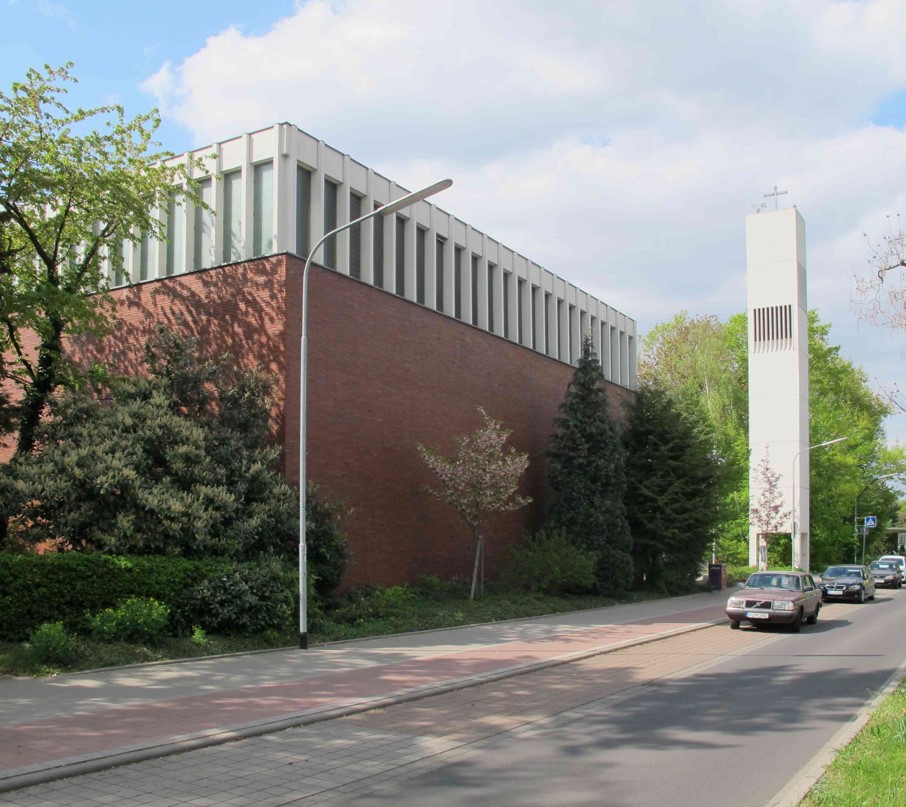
(793, 547)
(856, 510)
(386, 210)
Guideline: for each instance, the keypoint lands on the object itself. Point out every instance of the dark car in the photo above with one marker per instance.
(770, 598)
(847, 583)
(886, 573)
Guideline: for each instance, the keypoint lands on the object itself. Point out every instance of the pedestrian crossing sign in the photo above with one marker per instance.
(871, 521)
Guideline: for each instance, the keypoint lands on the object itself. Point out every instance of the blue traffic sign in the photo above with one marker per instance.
(871, 521)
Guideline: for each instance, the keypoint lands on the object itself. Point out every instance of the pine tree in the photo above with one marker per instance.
(586, 473)
(673, 492)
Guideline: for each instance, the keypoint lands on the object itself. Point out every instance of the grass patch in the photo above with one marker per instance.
(871, 770)
(359, 614)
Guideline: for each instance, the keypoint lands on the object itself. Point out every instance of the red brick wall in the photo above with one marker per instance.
(384, 375)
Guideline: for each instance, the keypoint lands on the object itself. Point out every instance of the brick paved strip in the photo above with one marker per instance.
(333, 762)
(75, 743)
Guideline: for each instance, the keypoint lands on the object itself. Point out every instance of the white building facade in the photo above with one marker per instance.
(279, 190)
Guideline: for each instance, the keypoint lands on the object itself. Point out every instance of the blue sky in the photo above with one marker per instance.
(116, 45)
(620, 144)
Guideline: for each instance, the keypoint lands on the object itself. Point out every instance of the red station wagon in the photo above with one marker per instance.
(772, 598)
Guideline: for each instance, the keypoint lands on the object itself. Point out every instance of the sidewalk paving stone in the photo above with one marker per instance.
(50, 728)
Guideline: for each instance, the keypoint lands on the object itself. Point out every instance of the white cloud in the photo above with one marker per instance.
(619, 144)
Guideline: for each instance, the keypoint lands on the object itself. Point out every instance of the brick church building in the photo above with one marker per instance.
(415, 320)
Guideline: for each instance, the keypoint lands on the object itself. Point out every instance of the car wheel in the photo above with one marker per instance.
(796, 625)
(814, 617)
(861, 597)
(734, 625)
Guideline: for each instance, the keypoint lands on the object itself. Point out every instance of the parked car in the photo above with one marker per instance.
(886, 573)
(847, 583)
(770, 598)
(898, 559)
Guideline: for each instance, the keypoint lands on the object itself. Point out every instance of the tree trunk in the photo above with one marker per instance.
(481, 573)
(478, 541)
(41, 388)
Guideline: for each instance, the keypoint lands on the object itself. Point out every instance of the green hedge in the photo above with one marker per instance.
(68, 587)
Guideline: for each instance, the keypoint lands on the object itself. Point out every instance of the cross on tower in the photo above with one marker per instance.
(775, 194)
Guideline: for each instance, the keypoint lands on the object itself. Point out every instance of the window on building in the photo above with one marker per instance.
(520, 298)
(474, 289)
(263, 209)
(562, 322)
(421, 238)
(378, 245)
(232, 216)
(506, 304)
(571, 324)
(549, 311)
(117, 262)
(203, 241)
(457, 282)
(144, 255)
(331, 197)
(492, 300)
(176, 231)
(303, 211)
(355, 237)
(536, 337)
(400, 256)
(439, 273)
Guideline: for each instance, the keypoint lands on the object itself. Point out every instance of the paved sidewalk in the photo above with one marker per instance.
(63, 726)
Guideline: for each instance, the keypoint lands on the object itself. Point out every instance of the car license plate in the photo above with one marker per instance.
(756, 615)
(834, 593)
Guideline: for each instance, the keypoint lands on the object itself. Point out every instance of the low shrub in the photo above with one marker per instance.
(550, 563)
(52, 644)
(327, 548)
(613, 572)
(739, 574)
(68, 587)
(430, 585)
(245, 600)
(368, 603)
(138, 619)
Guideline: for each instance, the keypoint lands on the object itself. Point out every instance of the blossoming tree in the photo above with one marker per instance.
(767, 516)
(479, 479)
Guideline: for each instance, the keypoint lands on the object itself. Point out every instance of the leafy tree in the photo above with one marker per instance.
(768, 516)
(178, 463)
(480, 479)
(702, 363)
(587, 475)
(842, 403)
(70, 196)
(672, 493)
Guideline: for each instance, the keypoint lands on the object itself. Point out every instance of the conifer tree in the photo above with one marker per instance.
(586, 473)
(673, 491)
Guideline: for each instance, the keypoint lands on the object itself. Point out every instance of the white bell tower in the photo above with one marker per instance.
(778, 365)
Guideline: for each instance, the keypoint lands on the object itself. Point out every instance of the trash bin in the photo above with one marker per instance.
(717, 576)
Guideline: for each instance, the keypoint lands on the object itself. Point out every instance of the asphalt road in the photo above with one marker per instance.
(710, 717)
(732, 731)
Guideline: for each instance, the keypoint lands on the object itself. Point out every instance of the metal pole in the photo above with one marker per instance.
(386, 210)
(856, 511)
(793, 552)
